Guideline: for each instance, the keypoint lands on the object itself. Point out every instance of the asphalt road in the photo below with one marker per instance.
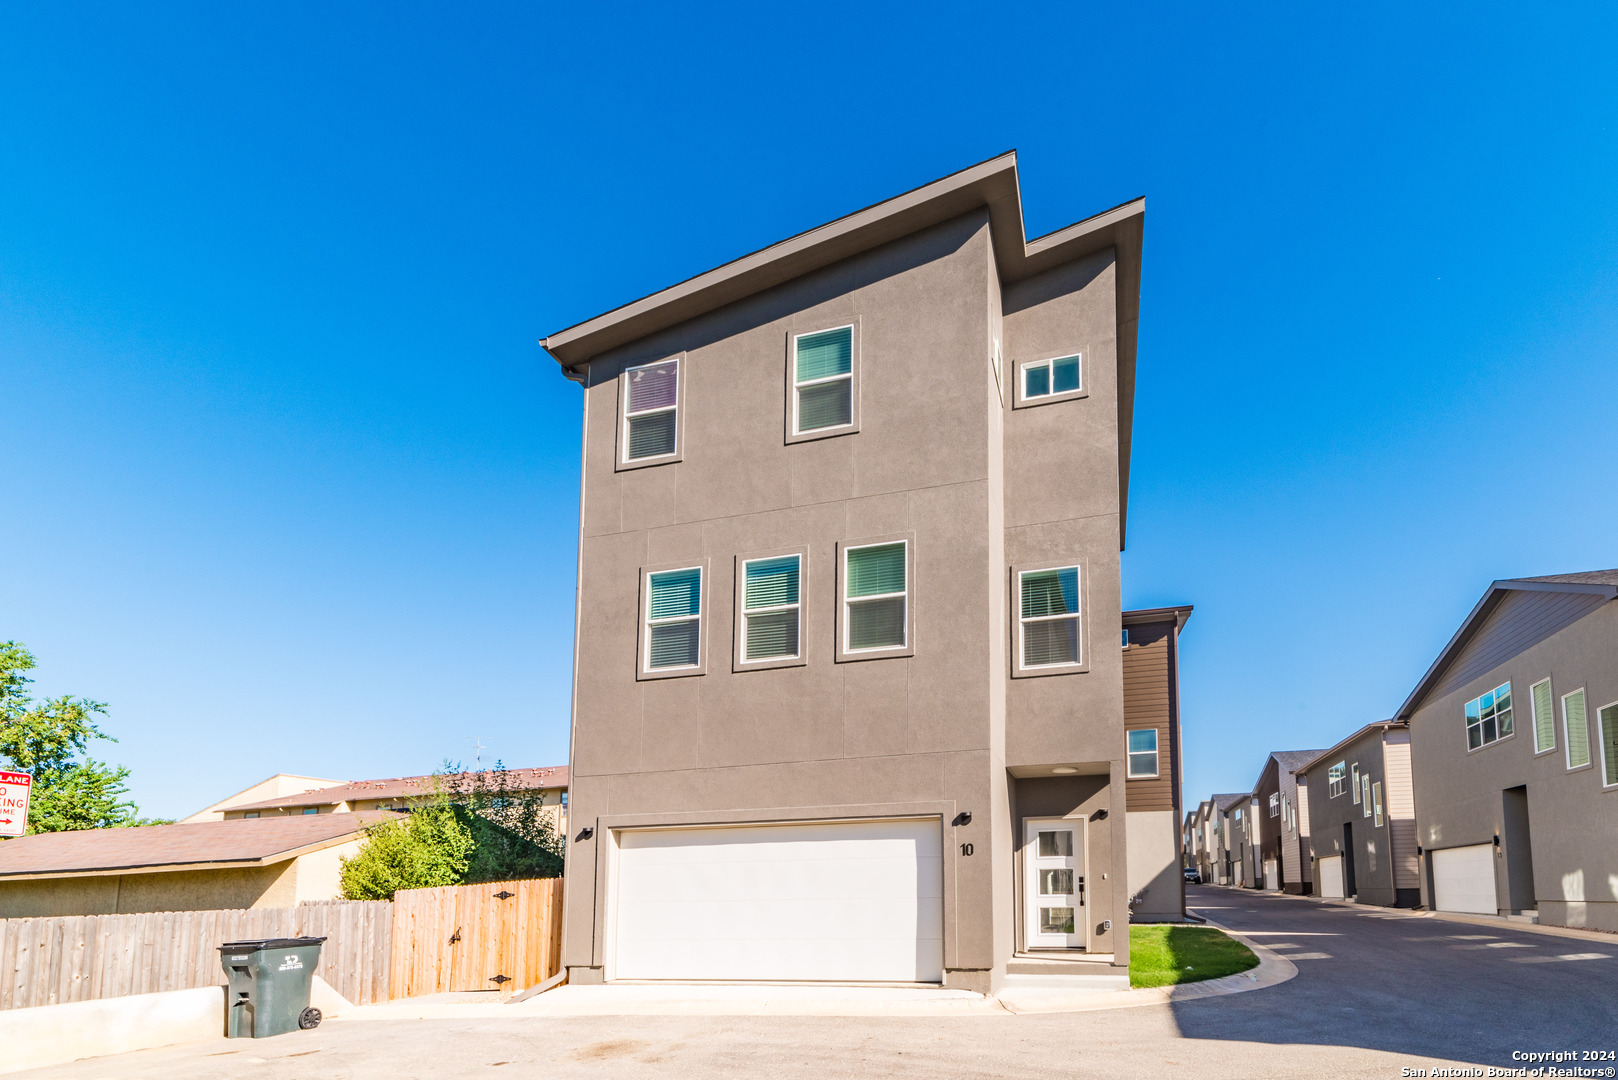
(1376, 993)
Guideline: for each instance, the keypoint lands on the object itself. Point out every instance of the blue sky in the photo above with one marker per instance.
(291, 485)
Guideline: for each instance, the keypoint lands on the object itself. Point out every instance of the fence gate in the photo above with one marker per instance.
(506, 936)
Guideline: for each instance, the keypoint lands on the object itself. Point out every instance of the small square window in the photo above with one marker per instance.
(1143, 762)
(1050, 379)
(1488, 717)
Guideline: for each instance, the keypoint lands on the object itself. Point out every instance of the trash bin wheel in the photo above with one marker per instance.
(309, 1018)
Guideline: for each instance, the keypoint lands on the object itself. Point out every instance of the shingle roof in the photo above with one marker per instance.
(1292, 760)
(252, 841)
(1584, 577)
(404, 787)
(1225, 802)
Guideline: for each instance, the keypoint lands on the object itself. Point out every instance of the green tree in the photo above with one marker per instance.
(428, 847)
(51, 739)
(513, 834)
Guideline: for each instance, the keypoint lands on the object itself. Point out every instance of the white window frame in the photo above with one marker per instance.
(1608, 783)
(647, 622)
(1365, 803)
(794, 385)
(1157, 755)
(1275, 804)
(743, 611)
(1021, 397)
(1376, 799)
(843, 601)
(1498, 738)
(624, 460)
(1077, 617)
(1533, 709)
(1567, 754)
(1354, 774)
(1337, 780)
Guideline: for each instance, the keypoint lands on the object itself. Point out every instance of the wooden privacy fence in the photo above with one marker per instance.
(504, 936)
(50, 961)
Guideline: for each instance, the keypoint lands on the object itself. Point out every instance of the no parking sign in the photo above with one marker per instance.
(14, 791)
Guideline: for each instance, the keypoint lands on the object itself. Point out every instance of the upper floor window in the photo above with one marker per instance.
(1048, 617)
(1336, 779)
(823, 380)
(1354, 782)
(1275, 805)
(876, 597)
(1488, 718)
(1576, 729)
(1050, 379)
(1544, 718)
(1376, 801)
(771, 609)
(651, 411)
(1143, 755)
(1607, 726)
(674, 619)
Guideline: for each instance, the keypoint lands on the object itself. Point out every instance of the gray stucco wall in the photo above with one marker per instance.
(1573, 819)
(1372, 847)
(939, 457)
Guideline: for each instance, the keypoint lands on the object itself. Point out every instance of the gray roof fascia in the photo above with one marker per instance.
(1384, 725)
(1469, 626)
(1180, 614)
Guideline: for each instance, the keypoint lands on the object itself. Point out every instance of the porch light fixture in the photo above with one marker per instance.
(1064, 770)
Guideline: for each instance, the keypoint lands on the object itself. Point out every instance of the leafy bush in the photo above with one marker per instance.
(426, 848)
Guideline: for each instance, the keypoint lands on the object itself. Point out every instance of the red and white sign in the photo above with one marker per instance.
(14, 790)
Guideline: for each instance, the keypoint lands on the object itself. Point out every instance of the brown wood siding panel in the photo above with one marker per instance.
(1520, 620)
(1147, 697)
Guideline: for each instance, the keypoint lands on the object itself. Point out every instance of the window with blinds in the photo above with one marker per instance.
(1048, 617)
(651, 408)
(771, 608)
(1607, 724)
(1544, 717)
(1576, 729)
(674, 619)
(1376, 801)
(875, 597)
(823, 380)
(1142, 745)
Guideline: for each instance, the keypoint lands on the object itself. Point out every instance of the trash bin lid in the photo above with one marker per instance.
(270, 943)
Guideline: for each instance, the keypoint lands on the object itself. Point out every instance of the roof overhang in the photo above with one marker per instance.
(1380, 725)
(175, 868)
(1142, 616)
(1480, 611)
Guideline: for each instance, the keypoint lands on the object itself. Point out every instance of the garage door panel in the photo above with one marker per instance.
(845, 901)
(1331, 877)
(1463, 880)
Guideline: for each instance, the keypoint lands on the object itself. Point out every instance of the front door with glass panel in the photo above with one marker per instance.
(1053, 862)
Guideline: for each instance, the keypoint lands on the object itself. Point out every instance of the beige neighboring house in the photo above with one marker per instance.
(398, 793)
(273, 788)
(267, 863)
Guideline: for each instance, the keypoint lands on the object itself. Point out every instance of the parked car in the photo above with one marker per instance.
(1193, 876)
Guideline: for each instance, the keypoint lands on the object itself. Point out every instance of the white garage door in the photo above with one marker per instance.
(1463, 879)
(1331, 877)
(841, 902)
(1272, 875)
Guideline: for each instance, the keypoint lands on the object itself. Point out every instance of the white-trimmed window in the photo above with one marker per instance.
(651, 411)
(1576, 729)
(1544, 717)
(1354, 782)
(1607, 726)
(673, 619)
(1488, 717)
(1275, 805)
(1376, 801)
(771, 608)
(876, 598)
(1048, 378)
(1142, 753)
(1048, 630)
(823, 380)
(1365, 802)
(1336, 780)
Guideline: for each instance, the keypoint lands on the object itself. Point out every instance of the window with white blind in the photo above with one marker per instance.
(651, 407)
(1607, 726)
(823, 387)
(1544, 717)
(1576, 729)
(1376, 801)
(1336, 780)
(1142, 746)
(876, 598)
(1049, 618)
(772, 611)
(673, 620)
(1050, 379)
(1488, 718)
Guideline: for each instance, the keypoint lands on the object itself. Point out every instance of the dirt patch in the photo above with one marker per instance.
(608, 1049)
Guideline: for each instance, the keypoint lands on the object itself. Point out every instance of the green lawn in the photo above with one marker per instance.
(1167, 954)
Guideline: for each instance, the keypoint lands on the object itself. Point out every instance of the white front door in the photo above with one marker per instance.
(1272, 875)
(1053, 887)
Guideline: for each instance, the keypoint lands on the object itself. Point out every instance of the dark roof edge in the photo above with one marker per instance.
(1386, 725)
(1469, 625)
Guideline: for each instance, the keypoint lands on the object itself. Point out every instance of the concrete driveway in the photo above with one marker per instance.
(1376, 993)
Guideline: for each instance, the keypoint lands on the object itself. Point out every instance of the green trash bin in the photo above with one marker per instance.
(269, 985)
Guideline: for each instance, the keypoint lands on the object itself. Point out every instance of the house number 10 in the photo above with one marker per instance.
(966, 849)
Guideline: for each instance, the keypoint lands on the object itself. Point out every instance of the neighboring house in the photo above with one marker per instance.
(273, 788)
(272, 862)
(1363, 810)
(1514, 742)
(1151, 645)
(1203, 842)
(401, 793)
(1228, 811)
(849, 698)
(1241, 842)
(1283, 856)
